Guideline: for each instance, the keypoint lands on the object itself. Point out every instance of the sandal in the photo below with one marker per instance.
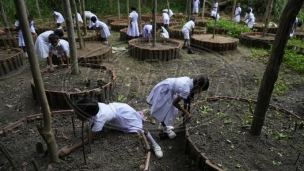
(186, 119)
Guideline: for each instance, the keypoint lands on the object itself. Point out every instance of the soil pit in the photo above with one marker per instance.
(164, 49)
(218, 43)
(87, 79)
(221, 130)
(259, 37)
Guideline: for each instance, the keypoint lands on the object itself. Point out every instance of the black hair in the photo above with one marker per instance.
(29, 17)
(248, 11)
(192, 18)
(53, 36)
(16, 16)
(93, 19)
(299, 23)
(59, 32)
(133, 8)
(54, 9)
(201, 81)
(86, 107)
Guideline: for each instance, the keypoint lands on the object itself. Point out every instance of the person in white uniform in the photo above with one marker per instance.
(102, 29)
(21, 42)
(250, 19)
(118, 116)
(79, 18)
(296, 24)
(61, 47)
(186, 33)
(195, 4)
(42, 44)
(166, 95)
(166, 19)
(170, 13)
(91, 24)
(163, 32)
(213, 14)
(147, 32)
(249, 7)
(58, 18)
(132, 30)
(215, 6)
(237, 13)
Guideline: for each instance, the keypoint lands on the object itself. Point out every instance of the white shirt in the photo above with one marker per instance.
(215, 6)
(62, 46)
(170, 12)
(165, 16)
(196, 3)
(189, 25)
(106, 113)
(238, 10)
(60, 18)
(181, 86)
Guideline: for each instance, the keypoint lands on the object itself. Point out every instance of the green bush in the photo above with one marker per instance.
(294, 60)
(232, 29)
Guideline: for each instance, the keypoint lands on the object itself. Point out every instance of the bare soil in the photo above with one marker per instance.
(4, 54)
(219, 133)
(259, 37)
(216, 39)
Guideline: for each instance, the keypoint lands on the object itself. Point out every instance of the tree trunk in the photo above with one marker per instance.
(189, 9)
(203, 10)
(118, 9)
(187, 6)
(73, 4)
(139, 14)
(110, 6)
(6, 29)
(45, 131)
(168, 6)
(128, 8)
(233, 10)
(154, 22)
(266, 17)
(71, 36)
(38, 9)
(270, 76)
(215, 20)
(84, 18)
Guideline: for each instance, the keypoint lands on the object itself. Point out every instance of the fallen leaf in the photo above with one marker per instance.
(50, 167)
(10, 106)
(63, 138)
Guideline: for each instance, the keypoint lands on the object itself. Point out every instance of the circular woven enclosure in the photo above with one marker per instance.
(218, 43)
(254, 39)
(113, 19)
(91, 36)
(123, 34)
(176, 31)
(96, 56)
(61, 99)
(11, 60)
(299, 34)
(165, 49)
(118, 25)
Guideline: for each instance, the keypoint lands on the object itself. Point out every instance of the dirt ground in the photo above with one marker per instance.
(215, 126)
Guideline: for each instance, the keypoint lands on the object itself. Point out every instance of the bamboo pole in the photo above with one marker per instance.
(266, 17)
(233, 10)
(84, 18)
(71, 37)
(73, 4)
(45, 130)
(6, 29)
(118, 9)
(38, 9)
